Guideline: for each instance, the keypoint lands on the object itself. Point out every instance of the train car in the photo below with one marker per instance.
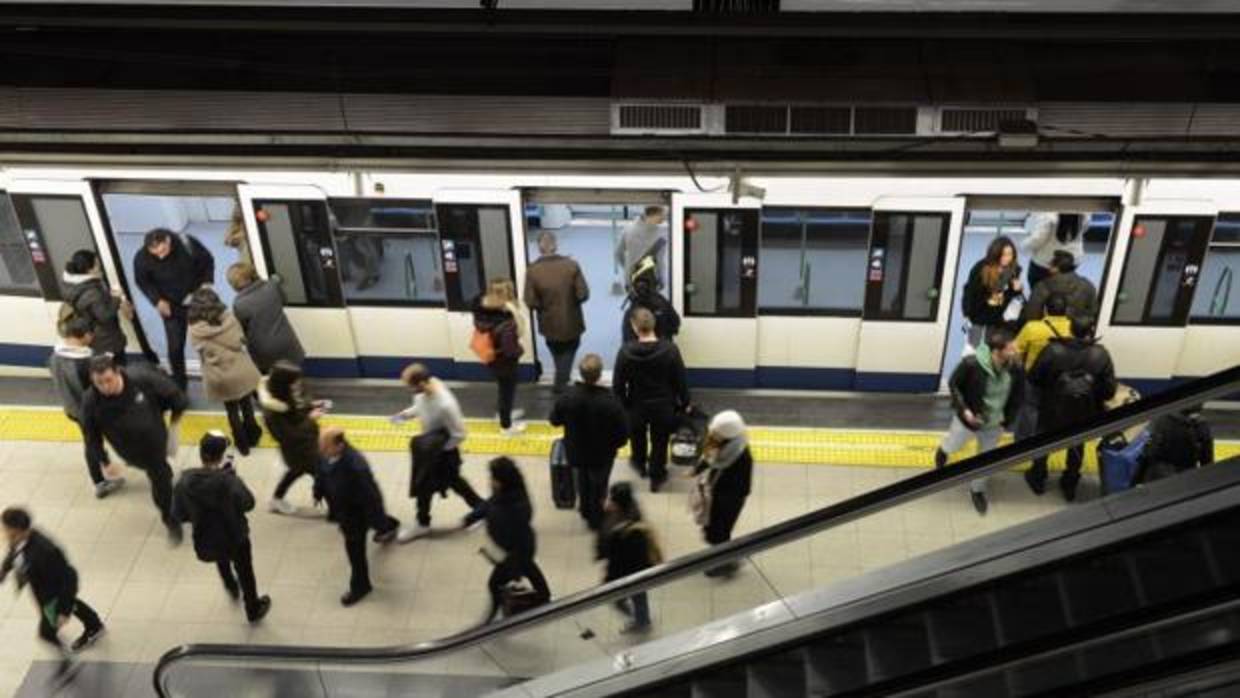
(845, 283)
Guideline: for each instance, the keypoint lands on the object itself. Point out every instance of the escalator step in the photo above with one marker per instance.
(1099, 587)
(960, 627)
(1029, 608)
(726, 682)
(897, 646)
(836, 664)
(781, 676)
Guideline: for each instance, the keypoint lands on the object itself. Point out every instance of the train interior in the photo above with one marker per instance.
(389, 251)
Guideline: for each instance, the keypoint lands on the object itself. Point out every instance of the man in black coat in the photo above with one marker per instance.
(126, 406)
(168, 269)
(1075, 378)
(214, 500)
(41, 564)
(354, 497)
(595, 427)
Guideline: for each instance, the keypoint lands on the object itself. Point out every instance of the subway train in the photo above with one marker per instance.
(841, 283)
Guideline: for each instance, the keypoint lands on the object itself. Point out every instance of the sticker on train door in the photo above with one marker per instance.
(876, 264)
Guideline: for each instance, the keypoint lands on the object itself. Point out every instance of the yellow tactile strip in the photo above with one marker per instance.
(891, 449)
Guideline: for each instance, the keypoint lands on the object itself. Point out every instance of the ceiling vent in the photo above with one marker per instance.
(821, 120)
(736, 7)
(658, 119)
(885, 121)
(978, 120)
(753, 118)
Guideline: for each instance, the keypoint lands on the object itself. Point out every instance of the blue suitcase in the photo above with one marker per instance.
(1117, 461)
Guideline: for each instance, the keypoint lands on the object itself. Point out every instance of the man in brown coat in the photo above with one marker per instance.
(555, 288)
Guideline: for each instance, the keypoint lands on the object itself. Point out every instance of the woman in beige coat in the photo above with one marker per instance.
(228, 373)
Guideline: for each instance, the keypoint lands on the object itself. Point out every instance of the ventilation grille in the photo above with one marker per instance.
(885, 120)
(659, 117)
(756, 119)
(977, 120)
(836, 120)
(736, 7)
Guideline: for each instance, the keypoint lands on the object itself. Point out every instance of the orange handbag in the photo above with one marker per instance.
(483, 345)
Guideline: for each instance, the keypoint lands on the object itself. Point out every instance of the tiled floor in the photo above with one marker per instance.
(154, 597)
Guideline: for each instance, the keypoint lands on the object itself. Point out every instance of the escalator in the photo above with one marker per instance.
(1133, 594)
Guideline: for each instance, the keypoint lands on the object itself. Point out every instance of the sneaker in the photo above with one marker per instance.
(384, 537)
(87, 639)
(1037, 486)
(410, 533)
(353, 596)
(516, 429)
(279, 505)
(107, 487)
(256, 614)
(633, 628)
(980, 503)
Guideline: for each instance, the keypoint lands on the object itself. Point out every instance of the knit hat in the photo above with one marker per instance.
(727, 425)
(213, 446)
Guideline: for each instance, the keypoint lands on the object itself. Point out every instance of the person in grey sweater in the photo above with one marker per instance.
(70, 369)
(644, 236)
(259, 307)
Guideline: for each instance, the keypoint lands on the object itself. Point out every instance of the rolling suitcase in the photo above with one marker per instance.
(1117, 461)
(563, 479)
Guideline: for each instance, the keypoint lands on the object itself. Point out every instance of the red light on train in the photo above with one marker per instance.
(1138, 231)
(690, 225)
(261, 215)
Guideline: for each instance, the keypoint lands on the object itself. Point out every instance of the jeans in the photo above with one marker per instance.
(506, 381)
(515, 567)
(659, 418)
(175, 327)
(958, 436)
(245, 429)
(80, 610)
(242, 561)
(592, 481)
(562, 354)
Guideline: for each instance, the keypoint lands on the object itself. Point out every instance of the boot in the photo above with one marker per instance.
(940, 458)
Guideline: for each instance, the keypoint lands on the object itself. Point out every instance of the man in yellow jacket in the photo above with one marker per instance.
(1033, 338)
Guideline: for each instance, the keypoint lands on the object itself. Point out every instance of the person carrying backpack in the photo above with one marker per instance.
(1075, 378)
(644, 293)
(1177, 442)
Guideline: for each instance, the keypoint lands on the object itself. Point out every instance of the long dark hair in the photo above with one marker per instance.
(283, 382)
(1069, 227)
(621, 493)
(994, 253)
(511, 482)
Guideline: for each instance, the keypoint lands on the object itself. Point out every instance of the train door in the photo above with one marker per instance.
(1146, 306)
(476, 245)
(290, 232)
(716, 288)
(56, 218)
(913, 250)
(1209, 339)
(596, 228)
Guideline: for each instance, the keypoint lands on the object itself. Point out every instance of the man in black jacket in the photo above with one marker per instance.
(595, 427)
(215, 500)
(126, 406)
(986, 396)
(1075, 378)
(1080, 293)
(41, 564)
(168, 270)
(1179, 441)
(354, 497)
(651, 382)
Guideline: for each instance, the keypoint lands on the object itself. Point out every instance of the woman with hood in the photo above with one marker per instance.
(88, 296)
(227, 371)
(993, 283)
(499, 314)
(259, 308)
(628, 545)
(292, 419)
(729, 467)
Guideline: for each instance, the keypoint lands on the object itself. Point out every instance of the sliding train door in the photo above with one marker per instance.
(1210, 339)
(289, 229)
(914, 243)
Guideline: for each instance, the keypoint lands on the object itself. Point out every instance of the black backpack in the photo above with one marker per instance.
(1074, 390)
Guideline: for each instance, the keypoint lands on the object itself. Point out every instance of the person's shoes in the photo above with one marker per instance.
(639, 468)
(260, 609)
(243, 448)
(634, 628)
(278, 505)
(384, 537)
(233, 592)
(980, 503)
(727, 569)
(352, 596)
(88, 638)
(410, 533)
(656, 483)
(107, 487)
(175, 534)
(1068, 488)
(516, 429)
(940, 458)
(1037, 486)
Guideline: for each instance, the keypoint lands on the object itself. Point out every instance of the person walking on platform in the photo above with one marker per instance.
(555, 289)
(88, 297)
(729, 464)
(508, 515)
(628, 545)
(499, 316)
(1079, 292)
(353, 495)
(127, 406)
(292, 419)
(1048, 234)
(259, 307)
(986, 396)
(41, 564)
(214, 501)
(651, 382)
(70, 369)
(1030, 342)
(228, 374)
(595, 428)
(994, 282)
(167, 270)
(1075, 378)
(436, 453)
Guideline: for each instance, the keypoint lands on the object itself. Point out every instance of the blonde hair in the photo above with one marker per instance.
(502, 290)
(241, 275)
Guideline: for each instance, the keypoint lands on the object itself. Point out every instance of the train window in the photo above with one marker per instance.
(389, 251)
(475, 245)
(721, 262)
(820, 254)
(55, 226)
(17, 275)
(299, 249)
(905, 265)
(1162, 270)
(1218, 296)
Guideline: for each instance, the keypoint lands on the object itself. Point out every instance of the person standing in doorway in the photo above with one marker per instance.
(727, 459)
(127, 406)
(651, 383)
(499, 314)
(259, 307)
(555, 289)
(90, 298)
(70, 369)
(1049, 233)
(644, 236)
(1079, 292)
(595, 428)
(985, 396)
(168, 268)
(41, 564)
(994, 282)
(228, 374)
(292, 418)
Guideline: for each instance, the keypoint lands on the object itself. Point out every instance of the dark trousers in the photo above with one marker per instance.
(286, 481)
(95, 469)
(724, 511)
(515, 567)
(81, 611)
(637, 607)
(562, 354)
(458, 485)
(175, 327)
(1071, 474)
(592, 481)
(1037, 273)
(245, 429)
(1027, 420)
(160, 475)
(242, 561)
(659, 418)
(355, 548)
(506, 382)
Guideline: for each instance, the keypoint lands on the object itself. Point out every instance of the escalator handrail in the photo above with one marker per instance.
(1182, 396)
